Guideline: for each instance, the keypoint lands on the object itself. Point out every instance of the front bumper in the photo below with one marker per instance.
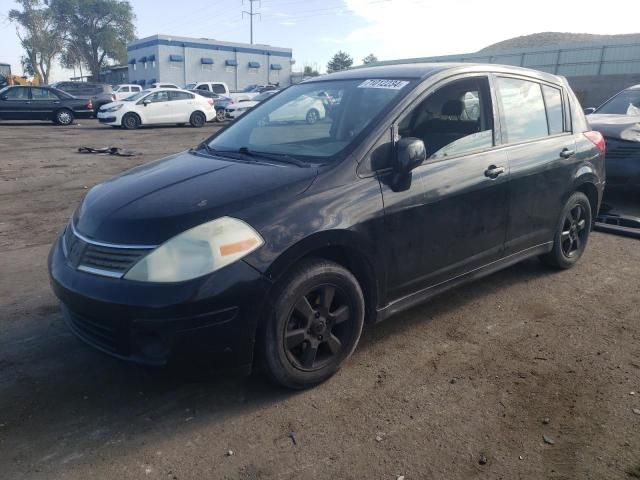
(212, 319)
(106, 119)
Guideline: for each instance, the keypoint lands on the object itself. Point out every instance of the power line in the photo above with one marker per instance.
(251, 15)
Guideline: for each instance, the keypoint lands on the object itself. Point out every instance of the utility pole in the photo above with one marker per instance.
(251, 15)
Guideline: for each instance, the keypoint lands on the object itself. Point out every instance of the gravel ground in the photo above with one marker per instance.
(482, 372)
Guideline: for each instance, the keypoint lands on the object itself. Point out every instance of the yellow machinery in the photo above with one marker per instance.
(7, 78)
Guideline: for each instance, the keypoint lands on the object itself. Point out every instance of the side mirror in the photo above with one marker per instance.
(146, 102)
(589, 110)
(410, 153)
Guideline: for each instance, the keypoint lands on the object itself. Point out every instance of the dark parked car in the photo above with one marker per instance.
(284, 239)
(220, 102)
(618, 119)
(99, 93)
(42, 103)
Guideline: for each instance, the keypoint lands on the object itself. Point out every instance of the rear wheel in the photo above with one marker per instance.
(315, 324)
(220, 115)
(130, 121)
(572, 233)
(63, 116)
(197, 119)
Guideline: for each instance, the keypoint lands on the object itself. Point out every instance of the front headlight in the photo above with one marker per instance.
(115, 108)
(198, 251)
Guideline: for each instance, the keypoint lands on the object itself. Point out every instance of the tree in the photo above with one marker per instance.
(71, 58)
(97, 30)
(27, 66)
(40, 34)
(310, 72)
(371, 58)
(340, 61)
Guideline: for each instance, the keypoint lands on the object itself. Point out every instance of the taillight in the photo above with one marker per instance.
(113, 97)
(210, 100)
(90, 105)
(597, 139)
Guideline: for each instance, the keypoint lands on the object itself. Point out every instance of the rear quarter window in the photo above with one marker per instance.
(553, 102)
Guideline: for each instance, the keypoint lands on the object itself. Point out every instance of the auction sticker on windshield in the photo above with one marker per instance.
(388, 84)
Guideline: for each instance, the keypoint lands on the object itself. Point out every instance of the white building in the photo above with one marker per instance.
(182, 60)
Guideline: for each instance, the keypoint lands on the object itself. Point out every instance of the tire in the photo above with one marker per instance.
(314, 325)
(130, 121)
(197, 120)
(312, 116)
(220, 115)
(64, 116)
(572, 233)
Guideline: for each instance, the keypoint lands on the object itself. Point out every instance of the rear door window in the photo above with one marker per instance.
(43, 94)
(218, 89)
(180, 96)
(523, 111)
(553, 102)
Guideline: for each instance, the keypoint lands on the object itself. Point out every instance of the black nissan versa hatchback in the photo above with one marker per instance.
(281, 238)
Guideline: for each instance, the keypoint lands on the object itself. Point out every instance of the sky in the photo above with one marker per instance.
(390, 29)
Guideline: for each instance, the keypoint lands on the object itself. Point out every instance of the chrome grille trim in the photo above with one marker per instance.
(109, 245)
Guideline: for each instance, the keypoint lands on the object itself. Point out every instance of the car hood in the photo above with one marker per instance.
(625, 127)
(154, 202)
(237, 106)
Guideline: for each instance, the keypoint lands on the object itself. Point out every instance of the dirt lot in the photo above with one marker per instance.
(426, 394)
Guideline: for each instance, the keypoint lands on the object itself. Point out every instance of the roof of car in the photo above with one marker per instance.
(424, 70)
(634, 87)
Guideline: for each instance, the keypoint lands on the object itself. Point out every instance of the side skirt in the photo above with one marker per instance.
(421, 296)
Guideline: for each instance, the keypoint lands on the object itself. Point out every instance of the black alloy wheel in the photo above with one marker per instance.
(574, 231)
(314, 325)
(314, 335)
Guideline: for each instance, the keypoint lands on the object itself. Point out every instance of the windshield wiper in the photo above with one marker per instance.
(278, 157)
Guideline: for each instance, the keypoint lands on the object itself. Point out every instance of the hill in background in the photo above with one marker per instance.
(547, 39)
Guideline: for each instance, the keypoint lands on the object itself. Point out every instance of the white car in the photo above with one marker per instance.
(126, 90)
(234, 110)
(303, 108)
(158, 106)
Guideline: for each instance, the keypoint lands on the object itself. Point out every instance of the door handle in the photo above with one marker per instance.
(493, 171)
(566, 153)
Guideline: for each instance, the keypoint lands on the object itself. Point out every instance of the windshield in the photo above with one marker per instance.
(250, 88)
(299, 122)
(136, 96)
(626, 102)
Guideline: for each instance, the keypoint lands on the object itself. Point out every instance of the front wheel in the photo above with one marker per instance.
(313, 116)
(197, 119)
(572, 233)
(315, 324)
(220, 115)
(130, 121)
